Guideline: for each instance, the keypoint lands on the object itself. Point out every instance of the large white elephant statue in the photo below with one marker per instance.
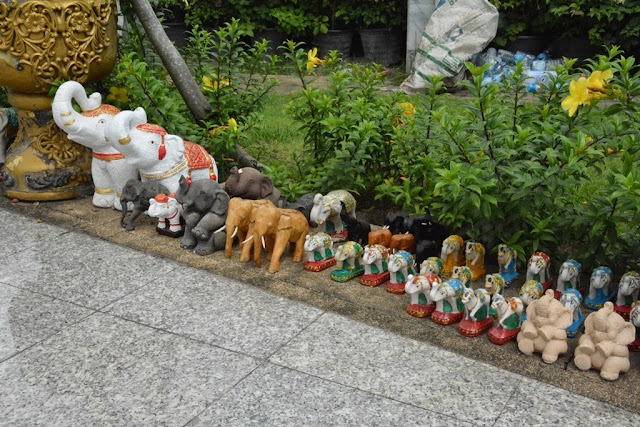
(158, 155)
(109, 169)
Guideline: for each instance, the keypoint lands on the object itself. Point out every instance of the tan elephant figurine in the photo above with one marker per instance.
(281, 226)
(604, 343)
(544, 331)
(238, 219)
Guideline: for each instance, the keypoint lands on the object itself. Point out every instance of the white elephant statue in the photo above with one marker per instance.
(166, 208)
(538, 269)
(327, 208)
(599, 292)
(349, 253)
(628, 289)
(318, 247)
(568, 277)
(447, 297)
(418, 288)
(376, 255)
(109, 169)
(476, 304)
(509, 311)
(158, 155)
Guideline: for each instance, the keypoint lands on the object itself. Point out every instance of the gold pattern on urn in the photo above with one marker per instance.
(42, 42)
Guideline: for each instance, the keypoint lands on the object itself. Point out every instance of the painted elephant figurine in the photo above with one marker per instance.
(432, 265)
(507, 258)
(544, 330)
(167, 209)
(327, 208)
(349, 253)
(158, 155)
(568, 276)
(238, 219)
(283, 226)
(375, 255)
(418, 288)
(318, 247)
(538, 269)
(599, 292)
(205, 206)
(451, 254)
(138, 194)
(249, 183)
(572, 299)
(109, 169)
(627, 293)
(604, 343)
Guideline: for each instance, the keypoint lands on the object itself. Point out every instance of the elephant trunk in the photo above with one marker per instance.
(257, 249)
(64, 115)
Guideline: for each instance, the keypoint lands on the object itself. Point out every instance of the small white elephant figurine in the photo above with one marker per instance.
(418, 288)
(318, 247)
(538, 268)
(351, 252)
(158, 155)
(476, 304)
(327, 208)
(109, 169)
(627, 292)
(166, 208)
(375, 255)
(599, 292)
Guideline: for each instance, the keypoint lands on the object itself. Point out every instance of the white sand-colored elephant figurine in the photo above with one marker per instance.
(599, 291)
(166, 208)
(604, 343)
(476, 304)
(375, 255)
(158, 155)
(538, 268)
(318, 247)
(327, 208)
(351, 252)
(628, 289)
(109, 169)
(509, 311)
(400, 263)
(569, 275)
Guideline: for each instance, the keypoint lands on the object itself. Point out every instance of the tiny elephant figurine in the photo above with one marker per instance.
(238, 219)
(249, 183)
(139, 193)
(452, 253)
(167, 209)
(325, 213)
(205, 206)
(544, 330)
(604, 343)
(357, 229)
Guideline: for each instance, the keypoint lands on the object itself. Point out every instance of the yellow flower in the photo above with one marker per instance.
(597, 81)
(117, 94)
(312, 60)
(234, 125)
(578, 95)
(408, 109)
(217, 131)
(211, 85)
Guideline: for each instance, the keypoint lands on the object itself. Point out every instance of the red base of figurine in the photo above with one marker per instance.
(501, 336)
(634, 346)
(546, 285)
(395, 288)
(470, 328)
(420, 310)
(339, 236)
(375, 279)
(316, 266)
(446, 318)
(557, 294)
(622, 310)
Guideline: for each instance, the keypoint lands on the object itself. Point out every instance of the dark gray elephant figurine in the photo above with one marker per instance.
(205, 206)
(139, 193)
(249, 183)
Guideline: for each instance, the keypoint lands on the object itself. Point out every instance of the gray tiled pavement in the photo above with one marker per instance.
(92, 333)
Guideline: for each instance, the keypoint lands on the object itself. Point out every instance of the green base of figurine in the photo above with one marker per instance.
(346, 275)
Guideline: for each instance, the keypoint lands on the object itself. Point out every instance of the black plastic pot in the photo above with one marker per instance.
(386, 47)
(339, 40)
(274, 37)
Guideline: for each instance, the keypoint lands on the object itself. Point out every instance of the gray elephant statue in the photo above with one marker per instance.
(205, 206)
(303, 204)
(8, 122)
(249, 183)
(138, 193)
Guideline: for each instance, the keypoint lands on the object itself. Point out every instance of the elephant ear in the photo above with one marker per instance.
(220, 204)
(627, 334)
(174, 147)
(565, 320)
(266, 186)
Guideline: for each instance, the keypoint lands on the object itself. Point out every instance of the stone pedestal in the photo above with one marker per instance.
(418, 13)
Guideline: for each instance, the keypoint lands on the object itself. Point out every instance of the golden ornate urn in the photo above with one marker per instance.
(42, 42)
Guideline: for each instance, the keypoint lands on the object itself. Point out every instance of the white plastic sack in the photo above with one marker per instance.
(456, 30)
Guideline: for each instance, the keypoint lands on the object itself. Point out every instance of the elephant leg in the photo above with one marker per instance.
(581, 360)
(282, 237)
(298, 252)
(245, 254)
(188, 239)
(337, 224)
(257, 250)
(228, 244)
(120, 172)
(104, 194)
(612, 367)
(525, 345)
(269, 242)
(206, 246)
(553, 349)
(132, 219)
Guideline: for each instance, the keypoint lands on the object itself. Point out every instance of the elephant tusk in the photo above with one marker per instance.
(264, 245)
(234, 233)
(246, 240)
(125, 140)
(220, 229)
(386, 227)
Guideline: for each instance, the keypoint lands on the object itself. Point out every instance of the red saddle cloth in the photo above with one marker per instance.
(198, 158)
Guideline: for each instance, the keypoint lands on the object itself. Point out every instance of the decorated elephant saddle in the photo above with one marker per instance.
(198, 158)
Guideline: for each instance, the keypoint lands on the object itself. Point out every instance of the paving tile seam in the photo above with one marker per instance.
(176, 334)
(370, 392)
(506, 403)
(70, 325)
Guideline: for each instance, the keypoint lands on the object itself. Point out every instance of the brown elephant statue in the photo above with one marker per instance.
(544, 331)
(280, 226)
(249, 183)
(604, 343)
(238, 219)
